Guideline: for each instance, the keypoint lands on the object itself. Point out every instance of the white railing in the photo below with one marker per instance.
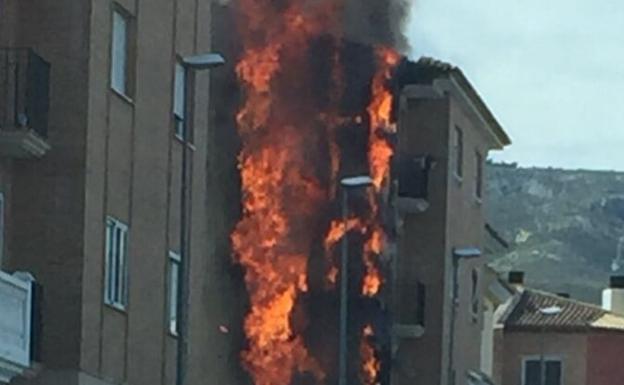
(15, 324)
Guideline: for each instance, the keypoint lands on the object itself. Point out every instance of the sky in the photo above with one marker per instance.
(552, 71)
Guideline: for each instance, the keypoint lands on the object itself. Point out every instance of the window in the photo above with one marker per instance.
(474, 302)
(458, 152)
(532, 372)
(174, 279)
(412, 306)
(479, 176)
(116, 285)
(119, 53)
(179, 102)
(421, 297)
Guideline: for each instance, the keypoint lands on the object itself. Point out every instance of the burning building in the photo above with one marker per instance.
(314, 105)
(313, 92)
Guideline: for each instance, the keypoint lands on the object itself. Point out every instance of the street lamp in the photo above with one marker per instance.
(458, 254)
(550, 311)
(190, 63)
(347, 184)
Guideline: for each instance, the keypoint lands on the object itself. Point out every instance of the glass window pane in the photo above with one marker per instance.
(110, 245)
(119, 52)
(123, 270)
(117, 264)
(174, 274)
(553, 373)
(532, 373)
(179, 98)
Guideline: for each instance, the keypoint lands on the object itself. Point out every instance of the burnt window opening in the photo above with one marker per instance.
(412, 306)
(414, 177)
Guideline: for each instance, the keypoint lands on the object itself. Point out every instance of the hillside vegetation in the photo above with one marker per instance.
(563, 226)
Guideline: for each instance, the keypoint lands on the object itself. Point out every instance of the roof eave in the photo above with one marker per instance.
(469, 94)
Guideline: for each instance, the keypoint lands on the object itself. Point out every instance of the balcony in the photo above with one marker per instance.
(24, 103)
(413, 180)
(16, 308)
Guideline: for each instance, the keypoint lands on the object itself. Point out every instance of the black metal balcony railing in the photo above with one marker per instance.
(24, 90)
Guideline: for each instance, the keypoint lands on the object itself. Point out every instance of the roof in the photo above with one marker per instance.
(426, 70)
(575, 316)
(497, 290)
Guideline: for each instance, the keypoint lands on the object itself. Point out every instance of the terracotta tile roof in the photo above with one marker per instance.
(426, 70)
(575, 316)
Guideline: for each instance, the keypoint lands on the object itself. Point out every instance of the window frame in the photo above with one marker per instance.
(180, 100)
(479, 162)
(126, 89)
(475, 297)
(173, 280)
(458, 153)
(547, 359)
(116, 266)
(421, 304)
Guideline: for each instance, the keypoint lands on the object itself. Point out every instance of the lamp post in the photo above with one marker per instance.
(347, 184)
(458, 254)
(190, 63)
(550, 311)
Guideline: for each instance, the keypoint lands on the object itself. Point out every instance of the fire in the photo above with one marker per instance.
(372, 248)
(380, 113)
(283, 196)
(289, 164)
(371, 366)
(379, 155)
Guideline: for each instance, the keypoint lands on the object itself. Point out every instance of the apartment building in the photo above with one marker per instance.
(93, 125)
(550, 339)
(445, 134)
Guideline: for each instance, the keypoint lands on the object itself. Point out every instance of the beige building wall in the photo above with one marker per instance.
(454, 219)
(423, 130)
(118, 156)
(569, 347)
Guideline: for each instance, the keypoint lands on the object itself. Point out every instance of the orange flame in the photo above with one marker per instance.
(380, 153)
(283, 195)
(380, 112)
(371, 366)
(281, 191)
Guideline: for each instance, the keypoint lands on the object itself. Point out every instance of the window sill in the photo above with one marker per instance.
(478, 201)
(458, 179)
(182, 142)
(117, 307)
(127, 99)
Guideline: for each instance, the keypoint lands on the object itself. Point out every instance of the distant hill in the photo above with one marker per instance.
(563, 226)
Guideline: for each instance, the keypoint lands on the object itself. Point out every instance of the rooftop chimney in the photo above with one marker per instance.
(516, 278)
(613, 297)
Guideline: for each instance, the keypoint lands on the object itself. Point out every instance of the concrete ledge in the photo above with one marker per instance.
(22, 143)
(407, 331)
(411, 205)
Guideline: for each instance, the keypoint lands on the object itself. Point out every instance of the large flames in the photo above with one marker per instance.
(290, 163)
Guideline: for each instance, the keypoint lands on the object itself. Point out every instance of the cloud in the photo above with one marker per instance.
(550, 70)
